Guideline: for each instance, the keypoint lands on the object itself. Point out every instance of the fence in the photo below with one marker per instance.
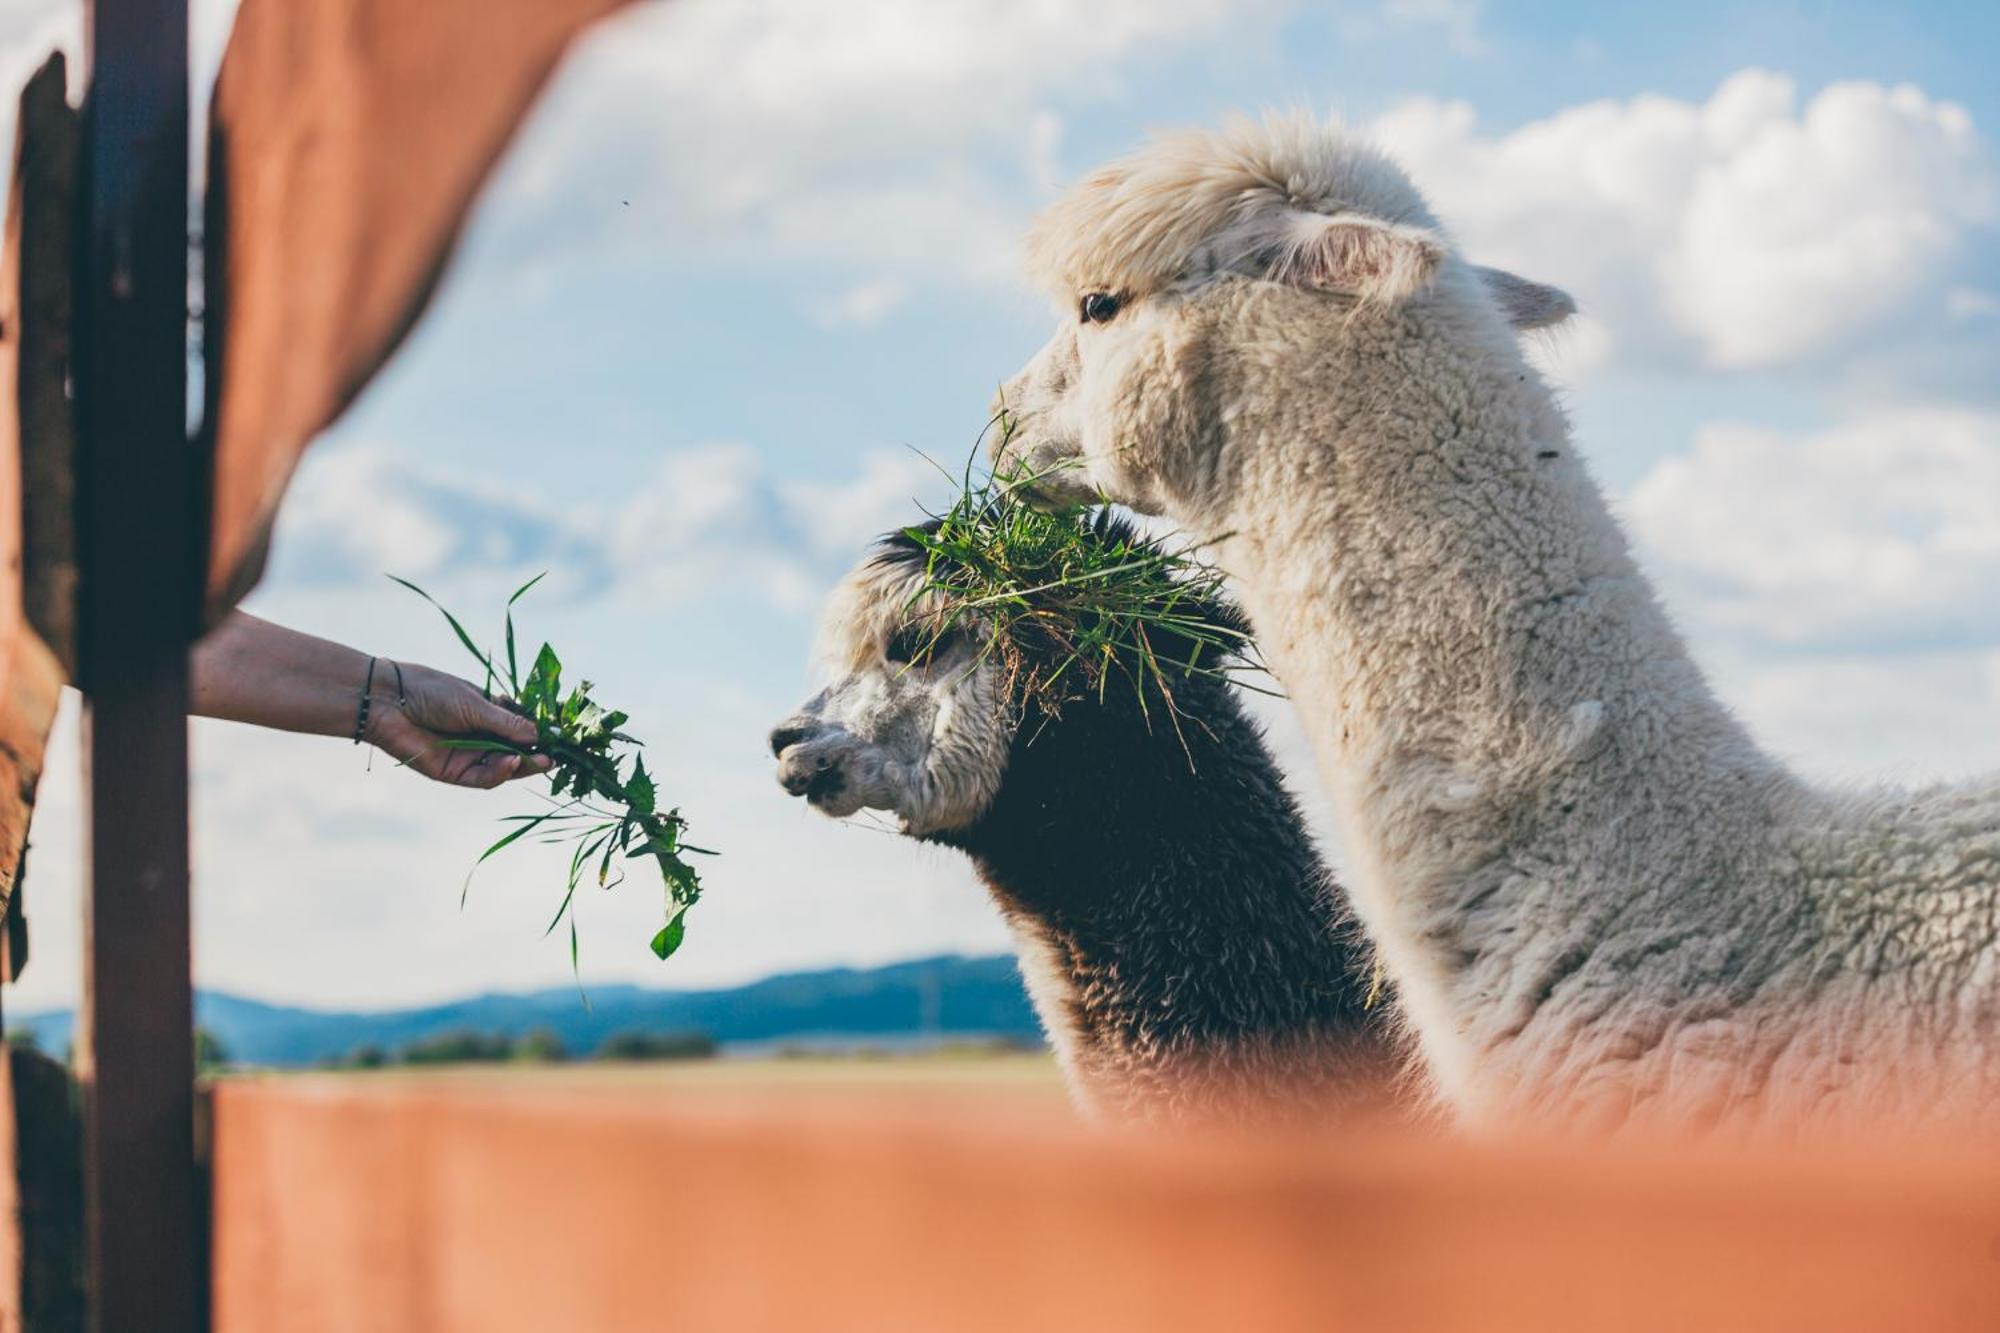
(432, 1206)
(126, 532)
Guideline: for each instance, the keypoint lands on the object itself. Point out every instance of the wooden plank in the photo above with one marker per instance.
(37, 466)
(41, 1197)
(348, 141)
(34, 689)
(607, 1204)
(41, 242)
(139, 543)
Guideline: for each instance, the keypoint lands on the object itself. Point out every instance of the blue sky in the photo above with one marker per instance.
(750, 254)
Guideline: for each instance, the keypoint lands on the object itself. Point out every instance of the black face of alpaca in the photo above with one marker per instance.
(1177, 929)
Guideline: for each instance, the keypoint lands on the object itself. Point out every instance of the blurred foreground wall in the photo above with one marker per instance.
(590, 1204)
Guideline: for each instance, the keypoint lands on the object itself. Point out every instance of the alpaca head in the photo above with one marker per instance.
(912, 722)
(1202, 238)
(928, 725)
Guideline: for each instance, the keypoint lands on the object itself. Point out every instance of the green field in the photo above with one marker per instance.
(1031, 1074)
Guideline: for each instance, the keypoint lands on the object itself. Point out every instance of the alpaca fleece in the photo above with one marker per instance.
(1182, 943)
(1596, 897)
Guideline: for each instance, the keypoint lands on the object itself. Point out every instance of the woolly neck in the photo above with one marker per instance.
(1166, 879)
(1504, 712)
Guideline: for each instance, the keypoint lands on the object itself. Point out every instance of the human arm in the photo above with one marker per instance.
(250, 670)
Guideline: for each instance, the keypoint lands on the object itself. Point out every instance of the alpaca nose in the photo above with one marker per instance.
(787, 734)
(809, 772)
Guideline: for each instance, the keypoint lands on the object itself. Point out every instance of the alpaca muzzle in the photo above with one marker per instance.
(810, 763)
(1044, 471)
(803, 772)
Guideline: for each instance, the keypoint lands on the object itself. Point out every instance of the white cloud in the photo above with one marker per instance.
(1045, 140)
(359, 514)
(1883, 531)
(1749, 228)
(905, 136)
(1904, 718)
(711, 521)
(1458, 20)
(708, 517)
(890, 488)
(1969, 303)
(863, 305)
(719, 516)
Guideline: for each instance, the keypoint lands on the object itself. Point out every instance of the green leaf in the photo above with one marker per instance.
(669, 939)
(639, 789)
(527, 825)
(682, 881)
(562, 910)
(522, 591)
(513, 667)
(665, 841)
(542, 691)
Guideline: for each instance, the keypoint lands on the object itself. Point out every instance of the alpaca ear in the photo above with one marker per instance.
(1527, 305)
(1377, 262)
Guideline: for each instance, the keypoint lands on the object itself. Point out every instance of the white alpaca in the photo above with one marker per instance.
(1596, 896)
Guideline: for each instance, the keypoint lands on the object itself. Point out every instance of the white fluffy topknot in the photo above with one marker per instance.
(1196, 201)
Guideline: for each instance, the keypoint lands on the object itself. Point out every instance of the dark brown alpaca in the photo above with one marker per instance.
(1171, 914)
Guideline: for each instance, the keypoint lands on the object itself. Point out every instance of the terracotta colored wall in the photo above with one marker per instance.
(434, 1207)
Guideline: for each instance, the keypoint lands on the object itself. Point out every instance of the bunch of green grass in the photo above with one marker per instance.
(610, 814)
(1066, 608)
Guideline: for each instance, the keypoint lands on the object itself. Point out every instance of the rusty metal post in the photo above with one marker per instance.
(140, 527)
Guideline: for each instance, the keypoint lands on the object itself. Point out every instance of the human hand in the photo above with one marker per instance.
(436, 707)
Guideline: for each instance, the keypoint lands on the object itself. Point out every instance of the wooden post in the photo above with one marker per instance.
(43, 1232)
(41, 1192)
(140, 507)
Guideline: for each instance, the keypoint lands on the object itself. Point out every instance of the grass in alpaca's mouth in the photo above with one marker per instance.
(1066, 603)
(609, 814)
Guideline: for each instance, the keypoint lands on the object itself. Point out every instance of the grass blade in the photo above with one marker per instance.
(456, 628)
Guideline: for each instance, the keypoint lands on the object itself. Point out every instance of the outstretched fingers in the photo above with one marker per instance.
(491, 769)
(498, 720)
(477, 769)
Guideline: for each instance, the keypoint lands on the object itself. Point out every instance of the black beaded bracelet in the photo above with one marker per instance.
(361, 713)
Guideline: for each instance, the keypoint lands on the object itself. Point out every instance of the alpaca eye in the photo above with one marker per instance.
(910, 643)
(919, 643)
(1099, 307)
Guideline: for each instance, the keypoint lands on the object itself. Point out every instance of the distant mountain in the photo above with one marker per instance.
(948, 996)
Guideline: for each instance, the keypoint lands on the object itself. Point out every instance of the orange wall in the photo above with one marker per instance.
(585, 1204)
